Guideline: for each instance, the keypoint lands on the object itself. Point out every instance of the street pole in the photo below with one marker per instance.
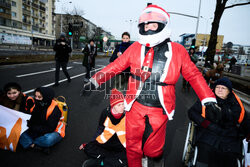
(71, 45)
(61, 23)
(198, 19)
(61, 19)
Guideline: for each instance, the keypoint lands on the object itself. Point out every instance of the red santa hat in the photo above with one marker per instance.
(116, 97)
(154, 13)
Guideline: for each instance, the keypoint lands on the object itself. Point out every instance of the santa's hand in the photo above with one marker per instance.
(119, 54)
(87, 88)
(213, 112)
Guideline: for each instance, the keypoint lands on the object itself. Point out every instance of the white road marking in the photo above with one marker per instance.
(63, 80)
(41, 72)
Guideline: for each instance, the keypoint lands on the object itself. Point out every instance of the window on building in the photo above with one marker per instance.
(24, 27)
(2, 21)
(14, 24)
(13, 3)
(24, 18)
(1, 10)
(13, 14)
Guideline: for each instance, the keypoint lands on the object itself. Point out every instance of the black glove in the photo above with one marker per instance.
(87, 88)
(213, 112)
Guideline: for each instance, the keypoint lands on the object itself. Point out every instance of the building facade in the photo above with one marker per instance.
(83, 30)
(30, 22)
(201, 42)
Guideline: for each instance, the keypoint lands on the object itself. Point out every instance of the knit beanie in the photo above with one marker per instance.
(116, 97)
(225, 82)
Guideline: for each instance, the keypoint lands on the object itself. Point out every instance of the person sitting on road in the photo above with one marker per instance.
(219, 136)
(108, 147)
(46, 126)
(13, 98)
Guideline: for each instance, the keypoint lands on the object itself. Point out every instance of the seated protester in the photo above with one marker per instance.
(108, 147)
(13, 98)
(45, 125)
(218, 136)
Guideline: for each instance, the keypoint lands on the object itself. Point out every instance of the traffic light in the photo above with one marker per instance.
(70, 29)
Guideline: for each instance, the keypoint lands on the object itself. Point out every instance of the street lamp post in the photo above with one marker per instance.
(130, 25)
(198, 19)
(205, 35)
(61, 19)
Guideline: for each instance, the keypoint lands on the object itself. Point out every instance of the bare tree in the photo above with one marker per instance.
(75, 18)
(228, 48)
(220, 7)
(97, 33)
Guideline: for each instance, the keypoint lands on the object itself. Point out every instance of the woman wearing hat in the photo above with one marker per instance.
(109, 147)
(220, 142)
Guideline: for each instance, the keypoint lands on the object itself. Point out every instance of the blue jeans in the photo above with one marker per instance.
(47, 140)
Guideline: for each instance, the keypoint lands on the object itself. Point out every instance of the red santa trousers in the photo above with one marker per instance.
(135, 126)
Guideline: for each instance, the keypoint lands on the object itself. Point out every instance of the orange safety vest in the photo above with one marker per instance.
(29, 98)
(61, 125)
(110, 129)
(242, 113)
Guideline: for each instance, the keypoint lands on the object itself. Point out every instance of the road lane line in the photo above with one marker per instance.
(41, 72)
(63, 80)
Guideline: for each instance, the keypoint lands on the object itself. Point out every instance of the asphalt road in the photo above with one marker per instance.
(83, 116)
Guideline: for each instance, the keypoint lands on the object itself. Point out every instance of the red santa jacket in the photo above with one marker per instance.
(178, 62)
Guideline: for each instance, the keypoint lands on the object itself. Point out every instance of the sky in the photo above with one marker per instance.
(118, 16)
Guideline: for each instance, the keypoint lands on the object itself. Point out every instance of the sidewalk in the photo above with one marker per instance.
(17, 56)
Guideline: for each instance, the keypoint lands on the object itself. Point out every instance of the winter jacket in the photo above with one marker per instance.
(226, 135)
(120, 48)
(89, 55)
(62, 51)
(113, 143)
(23, 103)
(38, 123)
(110, 149)
(177, 62)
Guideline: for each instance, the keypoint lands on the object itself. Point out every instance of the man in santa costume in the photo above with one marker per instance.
(156, 64)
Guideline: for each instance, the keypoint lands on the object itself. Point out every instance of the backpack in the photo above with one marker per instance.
(61, 102)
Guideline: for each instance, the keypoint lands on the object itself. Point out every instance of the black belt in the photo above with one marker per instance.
(156, 83)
